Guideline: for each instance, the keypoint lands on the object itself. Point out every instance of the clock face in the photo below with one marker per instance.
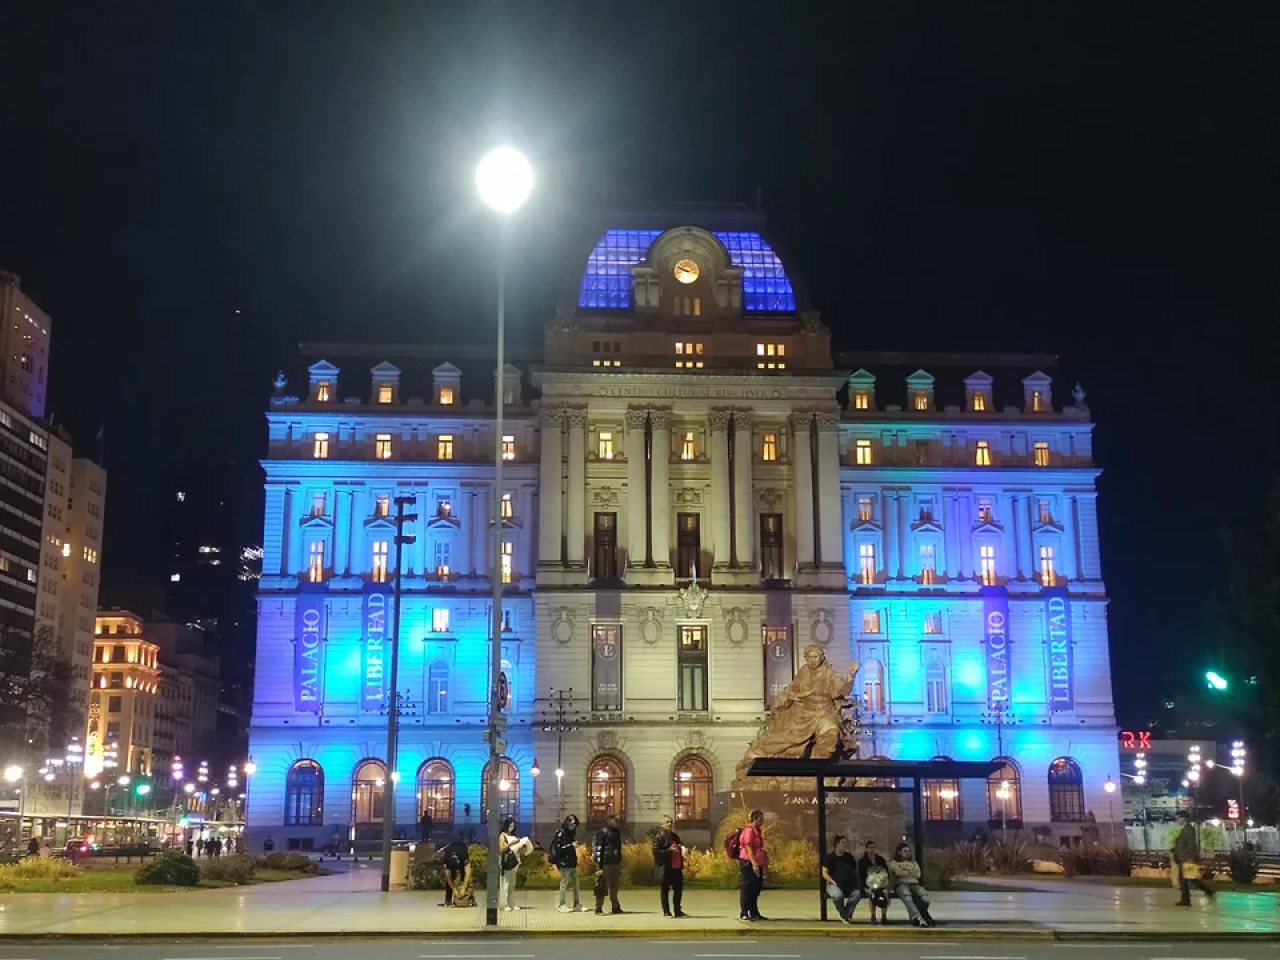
(686, 271)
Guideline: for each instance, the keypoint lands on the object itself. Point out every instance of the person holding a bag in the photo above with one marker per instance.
(1186, 860)
(668, 859)
(509, 863)
(564, 856)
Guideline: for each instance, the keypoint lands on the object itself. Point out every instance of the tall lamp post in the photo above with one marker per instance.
(535, 770)
(504, 180)
(561, 701)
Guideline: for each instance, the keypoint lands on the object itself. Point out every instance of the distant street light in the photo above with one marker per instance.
(1110, 787)
(1215, 680)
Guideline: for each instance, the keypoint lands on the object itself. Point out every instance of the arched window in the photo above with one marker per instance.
(1066, 791)
(935, 687)
(1004, 794)
(304, 795)
(941, 797)
(438, 688)
(435, 793)
(368, 792)
(692, 788)
(606, 790)
(508, 791)
(873, 686)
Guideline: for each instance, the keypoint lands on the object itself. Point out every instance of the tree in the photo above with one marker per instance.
(36, 706)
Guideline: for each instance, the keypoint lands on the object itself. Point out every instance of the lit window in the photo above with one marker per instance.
(862, 449)
(66, 552)
(1045, 511)
(686, 447)
(873, 686)
(928, 564)
(507, 557)
(25, 361)
(1042, 454)
(444, 446)
(1047, 577)
(770, 356)
(508, 447)
(319, 504)
(689, 356)
(935, 685)
(921, 401)
(985, 512)
(320, 446)
(315, 567)
(769, 448)
(444, 507)
(382, 446)
(933, 623)
(441, 558)
(861, 400)
(982, 456)
(864, 509)
(979, 402)
(867, 562)
(380, 561)
(604, 445)
(1037, 401)
(322, 391)
(384, 393)
(382, 505)
(446, 396)
(870, 621)
(987, 561)
(507, 507)
(440, 620)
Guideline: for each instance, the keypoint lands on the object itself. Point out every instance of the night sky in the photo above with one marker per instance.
(191, 188)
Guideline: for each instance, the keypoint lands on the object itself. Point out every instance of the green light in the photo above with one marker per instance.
(1216, 680)
(142, 789)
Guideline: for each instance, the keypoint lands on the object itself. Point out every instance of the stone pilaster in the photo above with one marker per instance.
(720, 542)
(660, 518)
(637, 473)
(744, 514)
(576, 494)
(550, 502)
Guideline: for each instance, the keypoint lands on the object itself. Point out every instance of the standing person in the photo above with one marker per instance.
(267, 845)
(904, 876)
(509, 863)
(1186, 859)
(668, 857)
(564, 857)
(424, 827)
(840, 872)
(606, 849)
(873, 877)
(752, 861)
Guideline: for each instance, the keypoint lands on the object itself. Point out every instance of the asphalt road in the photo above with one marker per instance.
(636, 948)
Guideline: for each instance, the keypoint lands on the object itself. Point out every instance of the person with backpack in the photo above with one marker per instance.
(668, 858)
(747, 847)
(564, 857)
(606, 850)
(509, 863)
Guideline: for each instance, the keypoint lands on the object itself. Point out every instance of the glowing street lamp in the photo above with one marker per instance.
(535, 770)
(1215, 680)
(1110, 787)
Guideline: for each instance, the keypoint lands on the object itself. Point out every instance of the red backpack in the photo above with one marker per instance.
(733, 845)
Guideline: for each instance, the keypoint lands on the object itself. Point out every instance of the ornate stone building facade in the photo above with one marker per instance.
(696, 495)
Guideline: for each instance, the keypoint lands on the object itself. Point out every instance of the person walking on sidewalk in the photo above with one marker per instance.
(564, 857)
(668, 857)
(606, 850)
(752, 861)
(840, 873)
(904, 879)
(1186, 861)
(509, 863)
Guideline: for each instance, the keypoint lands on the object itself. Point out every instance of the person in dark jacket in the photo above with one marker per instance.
(873, 881)
(668, 857)
(840, 873)
(1186, 860)
(606, 850)
(456, 859)
(564, 857)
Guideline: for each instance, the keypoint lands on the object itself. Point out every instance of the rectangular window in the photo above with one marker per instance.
(862, 449)
(1045, 511)
(382, 446)
(1042, 454)
(604, 445)
(444, 507)
(861, 400)
(933, 623)
(935, 686)
(379, 572)
(871, 621)
(605, 547)
(446, 396)
(982, 455)
(319, 502)
(771, 566)
(508, 556)
(928, 564)
(979, 402)
(769, 448)
(320, 446)
(508, 448)
(440, 620)
(687, 447)
(865, 509)
(322, 391)
(1047, 575)
(444, 446)
(606, 667)
(987, 564)
(1037, 401)
(688, 545)
(985, 511)
(437, 695)
(382, 505)
(692, 658)
(507, 507)
(770, 356)
(315, 564)
(867, 562)
(113, 704)
(385, 391)
(689, 356)
(921, 400)
(440, 558)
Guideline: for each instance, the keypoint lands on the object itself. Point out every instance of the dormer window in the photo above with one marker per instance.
(446, 396)
(1037, 401)
(979, 402)
(385, 392)
(861, 400)
(323, 389)
(920, 401)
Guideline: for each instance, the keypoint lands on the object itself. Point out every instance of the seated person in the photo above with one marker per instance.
(840, 872)
(904, 875)
(873, 875)
(457, 875)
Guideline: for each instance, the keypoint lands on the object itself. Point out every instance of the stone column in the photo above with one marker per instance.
(660, 519)
(576, 494)
(951, 534)
(1012, 545)
(719, 422)
(828, 506)
(465, 511)
(744, 512)
(550, 507)
(342, 516)
(904, 535)
(802, 458)
(1070, 521)
(889, 524)
(965, 531)
(290, 541)
(481, 523)
(1033, 556)
(637, 514)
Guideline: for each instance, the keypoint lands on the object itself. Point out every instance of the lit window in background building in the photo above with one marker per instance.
(862, 451)
(770, 356)
(769, 448)
(1042, 454)
(322, 391)
(382, 446)
(508, 508)
(604, 445)
(982, 455)
(861, 400)
(686, 447)
(508, 448)
(319, 450)
(384, 393)
(444, 446)
(446, 396)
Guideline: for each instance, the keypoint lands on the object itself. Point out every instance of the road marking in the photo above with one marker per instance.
(969, 957)
(1195, 958)
(278, 946)
(707, 942)
(476, 956)
(781, 956)
(472, 942)
(220, 958)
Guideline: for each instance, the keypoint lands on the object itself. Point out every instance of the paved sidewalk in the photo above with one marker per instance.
(350, 903)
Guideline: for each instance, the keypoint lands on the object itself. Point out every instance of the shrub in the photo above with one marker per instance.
(426, 875)
(298, 862)
(1243, 865)
(1100, 860)
(712, 867)
(1010, 856)
(791, 861)
(172, 868)
(36, 868)
(969, 858)
(537, 873)
(637, 865)
(938, 870)
(236, 870)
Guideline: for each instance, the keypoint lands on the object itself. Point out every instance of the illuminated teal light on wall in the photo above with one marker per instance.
(969, 676)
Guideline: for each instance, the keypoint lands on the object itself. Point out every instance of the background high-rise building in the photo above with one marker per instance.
(24, 346)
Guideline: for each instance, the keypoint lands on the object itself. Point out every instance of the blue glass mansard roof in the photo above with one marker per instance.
(606, 282)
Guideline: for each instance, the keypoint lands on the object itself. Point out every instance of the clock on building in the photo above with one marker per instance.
(686, 271)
